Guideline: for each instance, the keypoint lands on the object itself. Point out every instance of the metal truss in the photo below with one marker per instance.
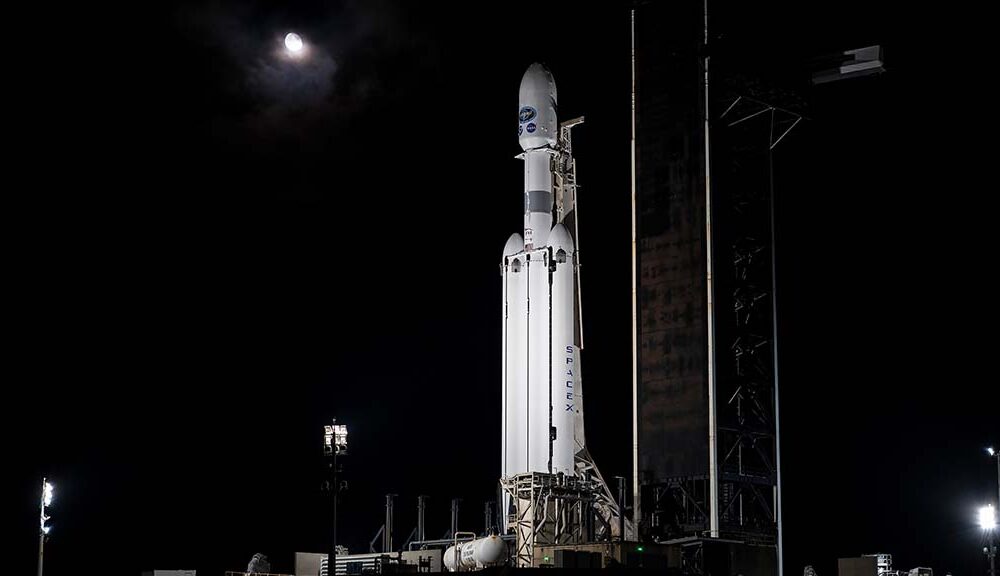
(747, 438)
(549, 509)
(607, 524)
(744, 108)
(564, 187)
(567, 212)
(680, 507)
(693, 559)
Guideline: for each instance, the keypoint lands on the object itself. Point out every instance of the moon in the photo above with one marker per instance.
(293, 43)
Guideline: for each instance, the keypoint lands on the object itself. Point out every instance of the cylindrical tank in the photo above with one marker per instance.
(537, 197)
(476, 554)
(563, 352)
(538, 364)
(515, 378)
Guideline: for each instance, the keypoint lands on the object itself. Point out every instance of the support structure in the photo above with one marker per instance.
(991, 553)
(421, 512)
(454, 517)
(680, 507)
(488, 526)
(43, 528)
(705, 429)
(552, 509)
(567, 207)
(749, 455)
(387, 534)
(334, 445)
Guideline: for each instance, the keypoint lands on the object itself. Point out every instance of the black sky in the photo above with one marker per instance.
(211, 252)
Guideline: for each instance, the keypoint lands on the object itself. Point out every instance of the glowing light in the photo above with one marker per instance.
(47, 493)
(335, 439)
(991, 451)
(987, 518)
(293, 43)
(48, 490)
(639, 548)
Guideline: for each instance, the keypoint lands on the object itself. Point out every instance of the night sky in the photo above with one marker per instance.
(211, 251)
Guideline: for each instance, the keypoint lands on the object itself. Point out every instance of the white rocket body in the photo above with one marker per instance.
(539, 290)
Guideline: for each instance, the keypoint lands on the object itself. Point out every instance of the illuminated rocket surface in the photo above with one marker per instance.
(539, 349)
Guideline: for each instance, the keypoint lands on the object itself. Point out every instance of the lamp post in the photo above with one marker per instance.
(43, 529)
(996, 456)
(988, 522)
(334, 444)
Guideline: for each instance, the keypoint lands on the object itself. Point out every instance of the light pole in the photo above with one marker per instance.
(334, 444)
(43, 529)
(988, 522)
(996, 456)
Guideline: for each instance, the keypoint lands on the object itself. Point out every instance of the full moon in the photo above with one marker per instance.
(293, 42)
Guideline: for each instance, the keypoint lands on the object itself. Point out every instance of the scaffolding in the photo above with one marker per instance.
(552, 509)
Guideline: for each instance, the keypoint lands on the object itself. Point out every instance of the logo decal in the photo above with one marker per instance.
(520, 129)
(526, 114)
(569, 379)
(531, 128)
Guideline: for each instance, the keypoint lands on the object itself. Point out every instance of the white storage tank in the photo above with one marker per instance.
(476, 554)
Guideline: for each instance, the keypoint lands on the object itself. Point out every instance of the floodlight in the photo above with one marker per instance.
(47, 493)
(987, 518)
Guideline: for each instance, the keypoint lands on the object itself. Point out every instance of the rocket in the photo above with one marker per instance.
(542, 389)
(540, 354)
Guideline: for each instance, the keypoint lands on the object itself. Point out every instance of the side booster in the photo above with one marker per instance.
(539, 350)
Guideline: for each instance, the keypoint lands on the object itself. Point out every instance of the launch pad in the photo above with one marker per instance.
(550, 510)
(705, 495)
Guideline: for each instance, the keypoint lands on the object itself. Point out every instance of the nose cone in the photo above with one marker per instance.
(538, 84)
(515, 245)
(560, 239)
(537, 122)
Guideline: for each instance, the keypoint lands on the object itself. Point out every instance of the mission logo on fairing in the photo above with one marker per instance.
(526, 114)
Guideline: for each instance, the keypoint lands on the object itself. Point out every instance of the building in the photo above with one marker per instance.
(862, 566)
